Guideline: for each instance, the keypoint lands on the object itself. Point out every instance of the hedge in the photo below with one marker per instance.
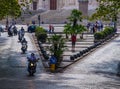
(41, 34)
(103, 34)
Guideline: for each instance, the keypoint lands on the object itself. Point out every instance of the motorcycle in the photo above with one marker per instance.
(31, 68)
(20, 37)
(24, 47)
(118, 69)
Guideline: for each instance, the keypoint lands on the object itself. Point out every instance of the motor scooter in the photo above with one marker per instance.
(24, 47)
(31, 68)
(118, 69)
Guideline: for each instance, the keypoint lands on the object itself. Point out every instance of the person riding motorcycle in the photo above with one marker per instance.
(23, 40)
(32, 60)
(21, 33)
(24, 45)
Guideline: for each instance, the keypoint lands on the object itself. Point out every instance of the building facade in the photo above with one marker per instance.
(61, 4)
(82, 5)
(54, 4)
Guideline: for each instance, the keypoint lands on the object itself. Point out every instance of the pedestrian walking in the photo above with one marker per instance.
(88, 25)
(52, 28)
(73, 39)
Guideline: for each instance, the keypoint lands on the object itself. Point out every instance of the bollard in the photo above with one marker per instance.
(72, 58)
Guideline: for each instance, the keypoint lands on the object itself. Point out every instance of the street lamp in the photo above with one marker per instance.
(39, 19)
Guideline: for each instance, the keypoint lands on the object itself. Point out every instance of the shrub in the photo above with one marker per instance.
(41, 34)
(98, 35)
(101, 35)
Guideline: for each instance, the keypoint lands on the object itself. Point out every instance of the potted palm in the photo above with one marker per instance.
(57, 48)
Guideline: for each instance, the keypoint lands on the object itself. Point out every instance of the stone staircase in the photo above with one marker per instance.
(87, 41)
(24, 18)
(53, 16)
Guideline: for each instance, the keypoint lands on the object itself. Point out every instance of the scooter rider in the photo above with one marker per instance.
(21, 33)
(32, 58)
(24, 45)
(23, 40)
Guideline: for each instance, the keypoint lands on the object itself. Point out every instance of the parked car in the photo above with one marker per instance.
(31, 28)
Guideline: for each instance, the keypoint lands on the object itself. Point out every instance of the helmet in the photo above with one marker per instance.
(32, 54)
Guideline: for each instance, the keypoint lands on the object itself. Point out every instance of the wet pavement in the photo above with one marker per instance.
(95, 71)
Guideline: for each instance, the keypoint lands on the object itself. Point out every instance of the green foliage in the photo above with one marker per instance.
(11, 8)
(106, 32)
(41, 34)
(99, 35)
(75, 16)
(58, 46)
(107, 10)
(67, 28)
(73, 27)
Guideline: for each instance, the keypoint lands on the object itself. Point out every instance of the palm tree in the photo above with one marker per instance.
(57, 48)
(67, 29)
(75, 16)
(73, 27)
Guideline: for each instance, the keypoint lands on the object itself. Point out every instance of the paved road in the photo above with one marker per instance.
(96, 71)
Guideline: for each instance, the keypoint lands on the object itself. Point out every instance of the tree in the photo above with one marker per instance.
(73, 27)
(75, 16)
(11, 8)
(107, 10)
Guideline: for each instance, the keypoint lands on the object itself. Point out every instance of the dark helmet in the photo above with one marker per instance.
(32, 54)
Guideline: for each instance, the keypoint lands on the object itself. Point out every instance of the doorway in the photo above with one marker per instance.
(53, 4)
(34, 5)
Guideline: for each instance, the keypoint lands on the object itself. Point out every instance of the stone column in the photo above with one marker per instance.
(60, 4)
(40, 4)
(83, 7)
